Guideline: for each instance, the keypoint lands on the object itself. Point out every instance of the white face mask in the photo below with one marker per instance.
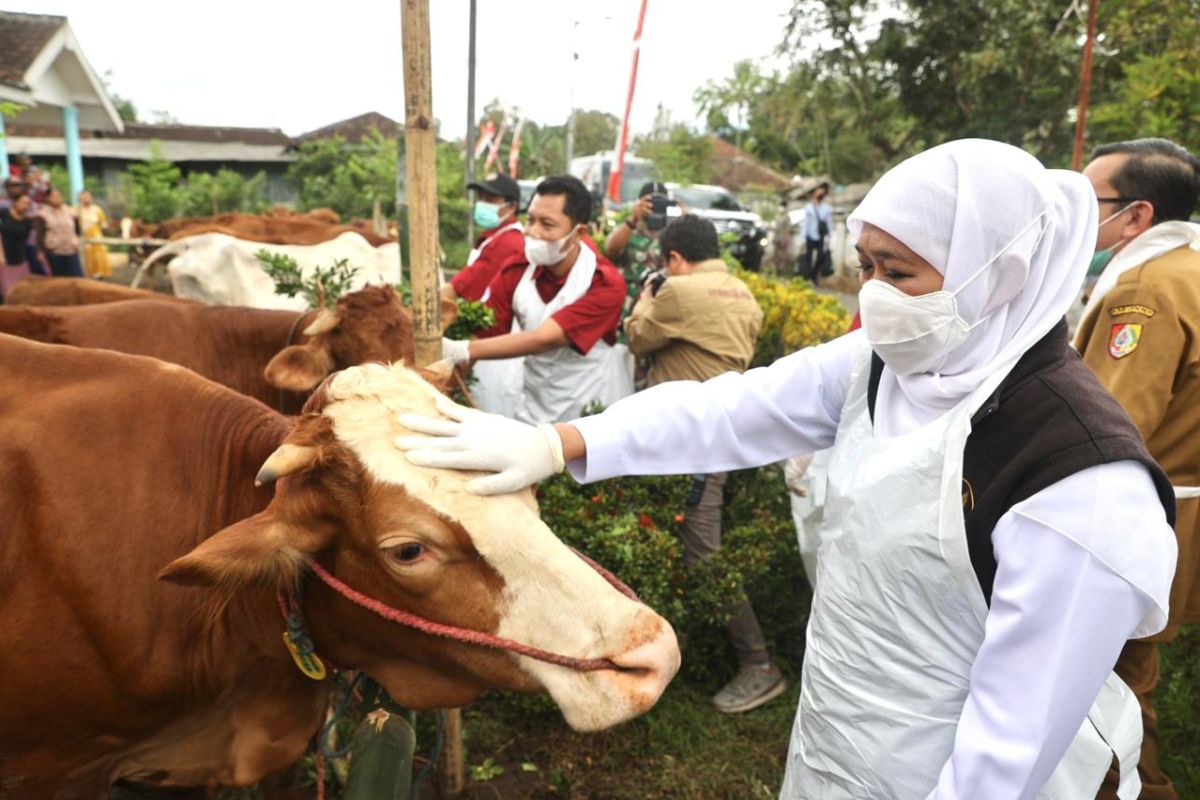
(546, 252)
(914, 334)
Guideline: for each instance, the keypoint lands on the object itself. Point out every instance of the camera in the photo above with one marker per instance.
(655, 280)
(658, 212)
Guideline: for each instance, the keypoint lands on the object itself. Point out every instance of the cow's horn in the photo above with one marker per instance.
(288, 458)
(325, 322)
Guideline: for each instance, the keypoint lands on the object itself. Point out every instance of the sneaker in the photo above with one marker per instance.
(750, 688)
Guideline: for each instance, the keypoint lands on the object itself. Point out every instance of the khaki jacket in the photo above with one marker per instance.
(1143, 341)
(698, 326)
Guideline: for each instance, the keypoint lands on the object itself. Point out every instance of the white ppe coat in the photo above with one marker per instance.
(498, 382)
(1070, 588)
(560, 383)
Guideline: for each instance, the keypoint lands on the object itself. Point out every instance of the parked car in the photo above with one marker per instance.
(742, 230)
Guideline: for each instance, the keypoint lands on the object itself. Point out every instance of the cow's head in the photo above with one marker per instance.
(413, 538)
(369, 325)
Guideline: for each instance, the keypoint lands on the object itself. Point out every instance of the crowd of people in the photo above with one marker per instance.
(995, 566)
(1010, 510)
(40, 234)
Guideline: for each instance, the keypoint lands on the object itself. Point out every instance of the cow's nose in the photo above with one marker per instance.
(649, 663)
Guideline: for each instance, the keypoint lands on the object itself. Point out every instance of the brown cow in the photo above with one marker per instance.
(265, 354)
(303, 230)
(110, 675)
(37, 290)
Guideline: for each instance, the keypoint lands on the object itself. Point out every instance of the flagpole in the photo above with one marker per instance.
(618, 169)
(471, 127)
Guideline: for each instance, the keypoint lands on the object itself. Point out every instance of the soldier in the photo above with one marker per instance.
(1141, 335)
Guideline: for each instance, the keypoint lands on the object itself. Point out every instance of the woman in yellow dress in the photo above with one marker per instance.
(92, 220)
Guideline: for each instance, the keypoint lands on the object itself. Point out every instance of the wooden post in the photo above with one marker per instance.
(421, 173)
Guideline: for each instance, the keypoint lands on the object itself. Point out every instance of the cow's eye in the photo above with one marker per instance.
(408, 552)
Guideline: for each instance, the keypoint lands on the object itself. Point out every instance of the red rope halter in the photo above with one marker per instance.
(469, 636)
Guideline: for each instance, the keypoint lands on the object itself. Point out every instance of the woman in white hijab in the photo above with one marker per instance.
(994, 530)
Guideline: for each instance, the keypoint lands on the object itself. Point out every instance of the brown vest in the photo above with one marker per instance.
(1049, 419)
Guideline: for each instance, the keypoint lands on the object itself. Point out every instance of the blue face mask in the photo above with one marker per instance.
(1100, 260)
(487, 215)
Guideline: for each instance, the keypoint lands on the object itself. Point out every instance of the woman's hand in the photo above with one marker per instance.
(467, 439)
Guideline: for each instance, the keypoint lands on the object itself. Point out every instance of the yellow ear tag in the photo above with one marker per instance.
(309, 663)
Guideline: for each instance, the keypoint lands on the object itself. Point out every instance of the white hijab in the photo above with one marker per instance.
(959, 206)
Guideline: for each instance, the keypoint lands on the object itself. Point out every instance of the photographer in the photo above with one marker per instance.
(818, 222)
(695, 323)
(633, 246)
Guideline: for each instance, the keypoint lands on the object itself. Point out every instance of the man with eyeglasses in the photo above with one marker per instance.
(1141, 335)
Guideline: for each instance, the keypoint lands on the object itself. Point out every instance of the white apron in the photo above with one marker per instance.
(497, 387)
(560, 383)
(898, 618)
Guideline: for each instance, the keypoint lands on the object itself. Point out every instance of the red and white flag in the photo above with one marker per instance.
(487, 129)
(614, 183)
(497, 143)
(514, 150)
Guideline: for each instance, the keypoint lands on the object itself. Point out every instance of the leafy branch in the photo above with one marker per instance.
(321, 289)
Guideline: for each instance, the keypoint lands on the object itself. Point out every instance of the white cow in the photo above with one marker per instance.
(220, 269)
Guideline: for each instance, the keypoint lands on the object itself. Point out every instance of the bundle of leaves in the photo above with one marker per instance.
(321, 288)
(472, 316)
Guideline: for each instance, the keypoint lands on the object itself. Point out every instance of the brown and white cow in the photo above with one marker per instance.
(112, 674)
(265, 354)
(37, 290)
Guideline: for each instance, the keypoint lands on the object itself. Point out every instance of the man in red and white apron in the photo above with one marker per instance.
(567, 302)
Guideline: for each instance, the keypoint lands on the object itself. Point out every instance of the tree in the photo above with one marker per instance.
(595, 131)
(679, 154)
(153, 187)
(225, 191)
(349, 178)
(1147, 72)
(727, 104)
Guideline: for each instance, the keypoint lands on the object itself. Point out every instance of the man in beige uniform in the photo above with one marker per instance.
(699, 323)
(1141, 335)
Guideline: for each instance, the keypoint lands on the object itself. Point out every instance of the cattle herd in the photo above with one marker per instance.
(171, 468)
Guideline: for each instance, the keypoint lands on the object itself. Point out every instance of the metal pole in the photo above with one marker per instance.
(1085, 85)
(471, 127)
(571, 115)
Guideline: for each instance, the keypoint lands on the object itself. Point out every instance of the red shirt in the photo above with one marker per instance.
(586, 321)
(506, 249)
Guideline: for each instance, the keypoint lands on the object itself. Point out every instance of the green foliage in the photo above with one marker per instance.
(472, 316)
(595, 131)
(321, 289)
(486, 770)
(347, 177)
(679, 154)
(153, 187)
(9, 109)
(61, 180)
(452, 203)
(1177, 698)
(1147, 72)
(795, 315)
(225, 191)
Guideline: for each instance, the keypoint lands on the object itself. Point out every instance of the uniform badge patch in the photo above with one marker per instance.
(1145, 311)
(1124, 339)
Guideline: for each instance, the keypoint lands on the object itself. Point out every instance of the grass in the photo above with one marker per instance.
(1178, 702)
(683, 749)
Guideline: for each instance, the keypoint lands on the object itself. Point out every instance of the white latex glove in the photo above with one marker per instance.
(520, 454)
(456, 350)
(794, 470)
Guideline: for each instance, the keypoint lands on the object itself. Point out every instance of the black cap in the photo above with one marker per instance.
(500, 185)
(652, 187)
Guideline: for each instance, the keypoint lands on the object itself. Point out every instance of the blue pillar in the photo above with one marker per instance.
(3, 151)
(70, 117)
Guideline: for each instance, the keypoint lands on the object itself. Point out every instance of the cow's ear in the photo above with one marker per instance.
(449, 313)
(259, 550)
(300, 367)
(439, 374)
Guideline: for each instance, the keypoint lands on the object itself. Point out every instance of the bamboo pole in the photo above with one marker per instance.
(421, 173)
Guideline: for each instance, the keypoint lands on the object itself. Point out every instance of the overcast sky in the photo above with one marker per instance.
(302, 64)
